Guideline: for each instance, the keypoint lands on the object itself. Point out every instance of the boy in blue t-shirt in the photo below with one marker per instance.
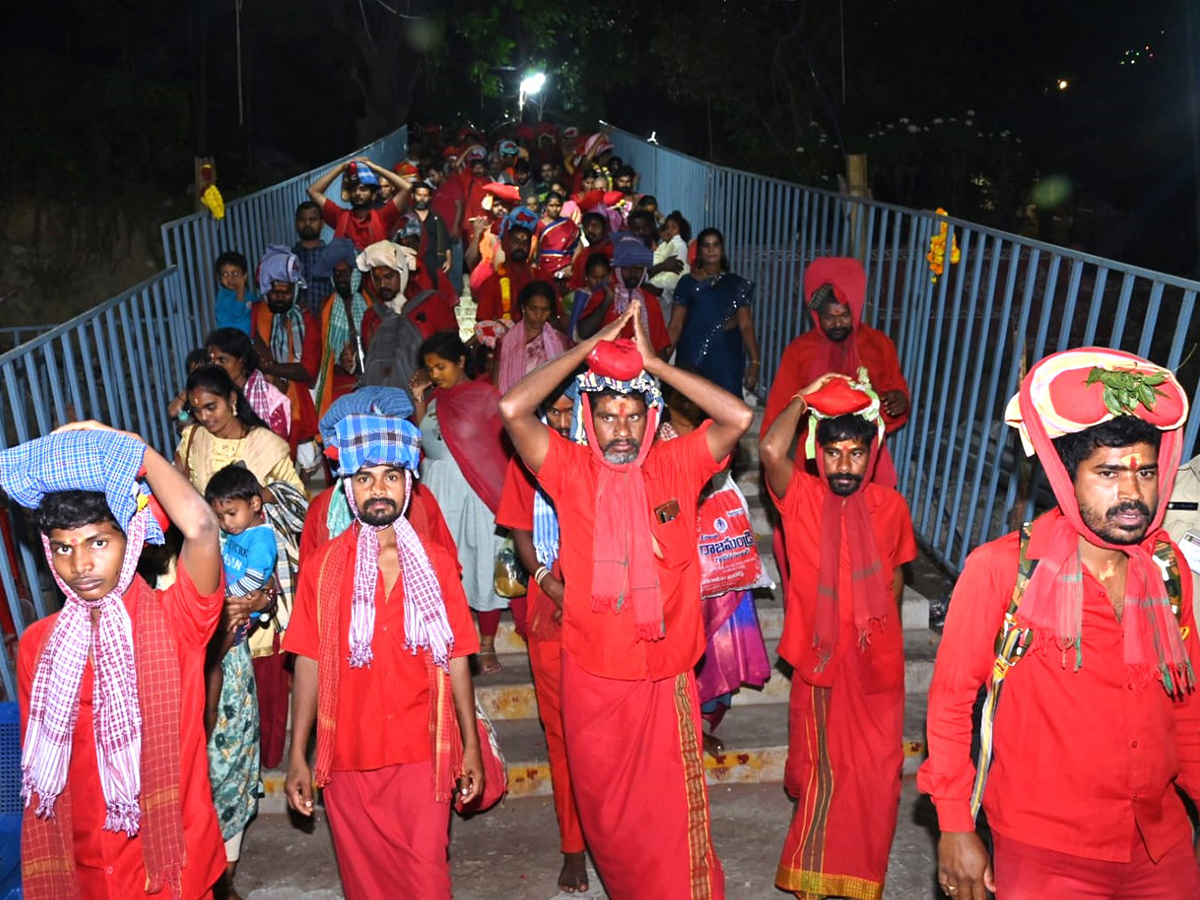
(234, 299)
(249, 553)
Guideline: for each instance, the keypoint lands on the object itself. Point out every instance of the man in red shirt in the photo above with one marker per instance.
(595, 233)
(632, 629)
(382, 668)
(529, 513)
(362, 222)
(114, 762)
(1097, 729)
(836, 289)
(287, 340)
(496, 298)
(842, 636)
(631, 258)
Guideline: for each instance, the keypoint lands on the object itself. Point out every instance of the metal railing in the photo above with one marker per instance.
(963, 340)
(250, 224)
(122, 362)
(15, 335)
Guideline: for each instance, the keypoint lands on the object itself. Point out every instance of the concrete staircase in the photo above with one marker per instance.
(754, 731)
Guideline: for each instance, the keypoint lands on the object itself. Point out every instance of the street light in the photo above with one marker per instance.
(530, 86)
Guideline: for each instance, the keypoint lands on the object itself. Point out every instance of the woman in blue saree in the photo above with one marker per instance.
(711, 323)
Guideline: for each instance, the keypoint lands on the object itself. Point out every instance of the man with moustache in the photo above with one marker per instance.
(362, 222)
(632, 629)
(1083, 619)
(287, 340)
(435, 237)
(382, 637)
(308, 249)
(835, 289)
(842, 636)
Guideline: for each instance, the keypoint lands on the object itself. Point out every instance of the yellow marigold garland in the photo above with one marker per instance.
(937, 249)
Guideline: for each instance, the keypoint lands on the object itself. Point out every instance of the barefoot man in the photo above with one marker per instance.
(632, 628)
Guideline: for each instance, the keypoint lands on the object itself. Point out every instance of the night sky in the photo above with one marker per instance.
(108, 95)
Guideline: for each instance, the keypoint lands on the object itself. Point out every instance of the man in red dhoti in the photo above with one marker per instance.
(632, 629)
(114, 767)
(1084, 620)
(529, 513)
(842, 635)
(381, 634)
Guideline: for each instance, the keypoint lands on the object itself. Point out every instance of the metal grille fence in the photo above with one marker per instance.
(122, 362)
(963, 341)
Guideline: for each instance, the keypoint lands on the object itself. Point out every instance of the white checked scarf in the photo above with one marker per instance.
(54, 698)
(425, 622)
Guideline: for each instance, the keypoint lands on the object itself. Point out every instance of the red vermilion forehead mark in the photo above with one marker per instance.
(1132, 460)
(844, 446)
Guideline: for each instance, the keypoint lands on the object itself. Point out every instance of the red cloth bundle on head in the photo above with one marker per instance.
(618, 360)
(1067, 393)
(509, 193)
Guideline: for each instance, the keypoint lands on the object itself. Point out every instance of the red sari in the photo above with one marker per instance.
(556, 243)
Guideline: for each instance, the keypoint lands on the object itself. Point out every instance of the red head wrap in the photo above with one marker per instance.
(1066, 393)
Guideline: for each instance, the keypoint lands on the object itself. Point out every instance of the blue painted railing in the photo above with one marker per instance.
(250, 224)
(963, 341)
(122, 361)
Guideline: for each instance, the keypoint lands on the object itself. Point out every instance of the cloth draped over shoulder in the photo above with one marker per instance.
(469, 417)
(519, 355)
(1066, 393)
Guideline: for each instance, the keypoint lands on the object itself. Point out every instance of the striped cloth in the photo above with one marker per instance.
(372, 440)
(378, 401)
(545, 517)
(107, 462)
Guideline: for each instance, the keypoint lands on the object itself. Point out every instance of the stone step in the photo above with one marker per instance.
(509, 694)
(914, 610)
(754, 731)
(755, 738)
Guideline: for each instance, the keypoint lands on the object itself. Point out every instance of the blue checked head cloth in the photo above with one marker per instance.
(375, 401)
(371, 440)
(279, 263)
(106, 462)
(590, 382)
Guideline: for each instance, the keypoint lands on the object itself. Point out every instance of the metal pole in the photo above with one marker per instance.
(1194, 95)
